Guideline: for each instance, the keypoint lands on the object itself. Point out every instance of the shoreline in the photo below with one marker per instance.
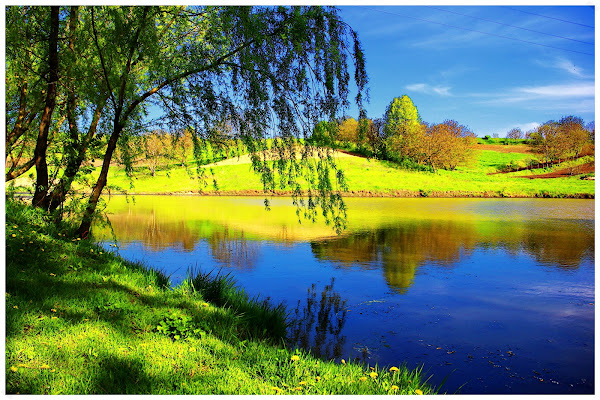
(362, 193)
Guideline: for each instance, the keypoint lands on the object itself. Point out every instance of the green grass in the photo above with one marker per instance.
(375, 177)
(80, 320)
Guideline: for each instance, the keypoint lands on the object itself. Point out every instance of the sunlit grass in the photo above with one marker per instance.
(80, 320)
(369, 177)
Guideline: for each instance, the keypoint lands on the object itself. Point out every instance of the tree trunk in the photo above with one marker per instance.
(88, 213)
(39, 154)
(74, 161)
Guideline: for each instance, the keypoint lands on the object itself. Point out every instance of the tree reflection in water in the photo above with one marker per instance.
(317, 325)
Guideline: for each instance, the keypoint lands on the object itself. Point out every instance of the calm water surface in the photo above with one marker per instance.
(492, 295)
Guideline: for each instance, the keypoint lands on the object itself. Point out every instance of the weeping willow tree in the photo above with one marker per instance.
(269, 73)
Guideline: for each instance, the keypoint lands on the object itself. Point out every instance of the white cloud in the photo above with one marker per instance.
(568, 66)
(581, 90)
(429, 89)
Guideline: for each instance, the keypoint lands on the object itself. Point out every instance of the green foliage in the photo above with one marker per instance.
(177, 325)
(400, 114)
(281, 68)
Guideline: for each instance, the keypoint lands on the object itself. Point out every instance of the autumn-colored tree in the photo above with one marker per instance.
(157, 150)
(562, 139)
(182, 145)
(576, 135)
(348, 131)
(446, 145)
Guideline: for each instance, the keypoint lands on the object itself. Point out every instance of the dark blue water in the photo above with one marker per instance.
(484, 305)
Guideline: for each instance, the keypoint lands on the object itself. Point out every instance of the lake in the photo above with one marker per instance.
(487, 295)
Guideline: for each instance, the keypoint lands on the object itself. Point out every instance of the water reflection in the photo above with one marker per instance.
(400, 250)
(317, 323)
(444, 233)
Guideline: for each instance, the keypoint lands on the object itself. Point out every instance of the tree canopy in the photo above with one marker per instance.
(83, 80)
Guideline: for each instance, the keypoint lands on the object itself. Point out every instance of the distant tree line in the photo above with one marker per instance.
(401, 136)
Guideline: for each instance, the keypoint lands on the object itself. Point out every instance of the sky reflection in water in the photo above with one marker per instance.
(495, 294)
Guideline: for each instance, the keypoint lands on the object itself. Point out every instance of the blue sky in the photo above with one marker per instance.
(478, 64)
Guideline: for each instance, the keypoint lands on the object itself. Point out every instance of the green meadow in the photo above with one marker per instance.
(371, 177)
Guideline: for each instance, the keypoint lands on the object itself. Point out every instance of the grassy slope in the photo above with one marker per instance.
(374, 177)
(364, 175)
(83, 321)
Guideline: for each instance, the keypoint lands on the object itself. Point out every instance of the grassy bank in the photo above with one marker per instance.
(80, 320)
(371, 177)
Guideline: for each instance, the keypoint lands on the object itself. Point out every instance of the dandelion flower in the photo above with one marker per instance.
(394, 369)
(394, 387)
(343, 361)
(418, 391)
(295, 358)
(373, 375)
(362, 378)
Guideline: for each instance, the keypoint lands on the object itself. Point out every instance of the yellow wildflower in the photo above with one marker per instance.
(53, 309)
(394, 387)
(362, 378)
(14, 226)
(295, 358)
(343, 361)
(51, 274)
(45, 366)
(302, 383)
(91, 250)
(275, 388)
(373, 375)
(204, 304)
(14, 369)
(318, 378)
(418, 391)
(394, 369)
(16, 307)
(298, 388)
